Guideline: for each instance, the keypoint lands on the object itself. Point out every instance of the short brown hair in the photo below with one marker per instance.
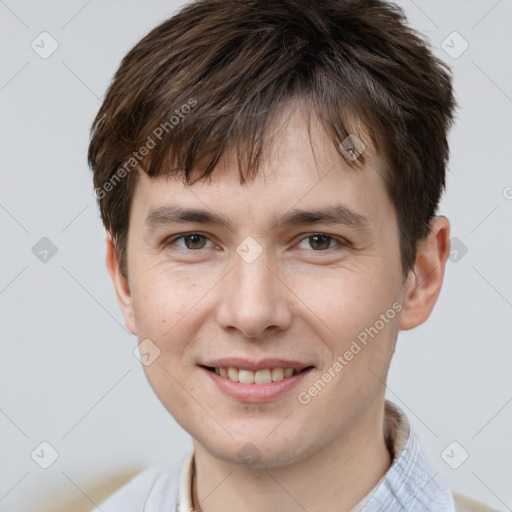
(215, 74)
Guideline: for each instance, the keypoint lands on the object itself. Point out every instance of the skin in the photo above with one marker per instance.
(295, 300)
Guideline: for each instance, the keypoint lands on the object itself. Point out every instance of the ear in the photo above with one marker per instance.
(121, 285)
(424, 281)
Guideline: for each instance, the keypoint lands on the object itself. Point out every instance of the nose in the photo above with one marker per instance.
(254, 299)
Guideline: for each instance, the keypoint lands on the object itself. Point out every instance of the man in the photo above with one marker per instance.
(268, 173)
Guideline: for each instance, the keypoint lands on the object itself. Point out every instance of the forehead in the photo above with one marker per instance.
(301, 170)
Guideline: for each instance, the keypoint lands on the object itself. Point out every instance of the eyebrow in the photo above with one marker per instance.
(337, 214)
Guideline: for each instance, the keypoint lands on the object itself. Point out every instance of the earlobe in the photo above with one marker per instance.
(121, 284)
(425, 280)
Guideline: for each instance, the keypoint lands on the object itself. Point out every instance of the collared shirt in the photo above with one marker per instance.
(409, 485)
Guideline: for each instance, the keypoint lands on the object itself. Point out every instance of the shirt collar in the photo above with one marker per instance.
(407, 485)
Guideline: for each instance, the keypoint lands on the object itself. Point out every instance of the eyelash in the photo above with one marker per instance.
(341, 242)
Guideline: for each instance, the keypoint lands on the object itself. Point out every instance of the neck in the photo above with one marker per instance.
(333, 479)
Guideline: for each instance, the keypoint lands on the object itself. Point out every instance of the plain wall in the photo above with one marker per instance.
(68, 374)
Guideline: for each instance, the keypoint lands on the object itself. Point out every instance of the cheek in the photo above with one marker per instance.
(163, 305)
(344, 301)
(164, 313)
(354, 316)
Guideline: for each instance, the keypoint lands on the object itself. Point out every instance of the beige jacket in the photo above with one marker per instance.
(465, 504)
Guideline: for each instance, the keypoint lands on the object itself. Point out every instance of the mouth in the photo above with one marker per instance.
(263, 376)
(255, 386)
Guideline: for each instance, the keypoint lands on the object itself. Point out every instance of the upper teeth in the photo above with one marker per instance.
(265, 376)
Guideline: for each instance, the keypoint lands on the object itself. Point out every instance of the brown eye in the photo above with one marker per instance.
(188, 241)
(320, 242)
(194, 241)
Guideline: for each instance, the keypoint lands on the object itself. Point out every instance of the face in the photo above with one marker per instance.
(268, 288)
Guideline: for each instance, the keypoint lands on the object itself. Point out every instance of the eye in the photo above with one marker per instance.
(192, 241)
(319, 242)
(322, 242)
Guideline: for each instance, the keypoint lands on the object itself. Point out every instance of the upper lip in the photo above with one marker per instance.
(262, 364)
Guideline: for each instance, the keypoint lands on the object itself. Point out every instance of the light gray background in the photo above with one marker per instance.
(68, 374)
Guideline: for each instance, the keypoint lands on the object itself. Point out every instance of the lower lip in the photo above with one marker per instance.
(256, 392)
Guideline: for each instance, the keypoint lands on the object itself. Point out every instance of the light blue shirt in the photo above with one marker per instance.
(408, 485)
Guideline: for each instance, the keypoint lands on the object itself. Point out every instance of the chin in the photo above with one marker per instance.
(258, 451)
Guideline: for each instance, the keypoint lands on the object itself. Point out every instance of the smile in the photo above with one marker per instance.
(255, 386)
(264, 376)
